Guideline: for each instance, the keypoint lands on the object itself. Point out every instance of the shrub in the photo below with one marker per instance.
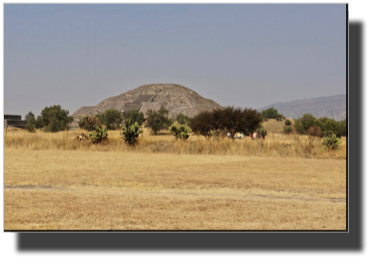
(99, 135)
(287, 130)
(331, 142)
(315, 131)
(262, 132)
(130, 132)
(180, 131)
(89, 122)
(288, 123)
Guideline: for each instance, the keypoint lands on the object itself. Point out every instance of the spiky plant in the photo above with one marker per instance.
(130, 132)
(331, 142)
(180, 131)
(99, 135)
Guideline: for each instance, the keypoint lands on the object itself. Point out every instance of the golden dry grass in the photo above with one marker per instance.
(275, 145)
(87, 188)
(274, 126)
(286, 182)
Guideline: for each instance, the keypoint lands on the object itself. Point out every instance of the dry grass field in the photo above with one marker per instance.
(275, 144)
(274, 126)
(282, 183)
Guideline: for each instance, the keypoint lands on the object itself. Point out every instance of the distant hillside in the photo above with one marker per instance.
(331, 106)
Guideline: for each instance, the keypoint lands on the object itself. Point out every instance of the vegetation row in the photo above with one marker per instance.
(225, 122)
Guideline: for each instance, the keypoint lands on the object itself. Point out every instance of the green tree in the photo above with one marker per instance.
(30, 122)
(271, 113)
(343, 127)
(39, 122)
(55, 119)
(31, 125)
(111, 118)
(237, 120)
(182, 119)
(131, 132)
(135, 116)
(303, 124)
(327, 124)
(228, 119)
(29, 115)
(202, 124)
(298, 127)
(157, 120)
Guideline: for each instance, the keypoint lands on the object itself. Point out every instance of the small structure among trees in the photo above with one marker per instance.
(13, 121)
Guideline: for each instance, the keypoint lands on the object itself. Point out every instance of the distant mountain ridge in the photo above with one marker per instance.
(330, 106)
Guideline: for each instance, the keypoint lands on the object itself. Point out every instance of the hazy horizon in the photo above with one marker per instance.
(250, 55)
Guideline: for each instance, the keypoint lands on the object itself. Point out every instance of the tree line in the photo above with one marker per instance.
(207, 123)
(320, 127)
(52, 119)
(226, 120)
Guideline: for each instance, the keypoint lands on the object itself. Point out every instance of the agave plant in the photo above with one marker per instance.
(331, 142)
(130, 132)
(180, 131)
(99, 135)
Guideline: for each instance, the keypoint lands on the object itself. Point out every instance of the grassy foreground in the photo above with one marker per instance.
(122, 190)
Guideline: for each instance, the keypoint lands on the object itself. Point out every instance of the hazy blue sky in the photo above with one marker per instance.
(243, 55)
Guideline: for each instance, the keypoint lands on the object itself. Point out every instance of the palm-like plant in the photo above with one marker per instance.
(99, 135)
(130, 132)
